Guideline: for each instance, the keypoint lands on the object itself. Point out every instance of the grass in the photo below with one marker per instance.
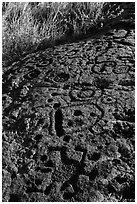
(28, 27)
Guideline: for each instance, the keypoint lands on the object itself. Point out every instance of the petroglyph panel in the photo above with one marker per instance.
(69, 121)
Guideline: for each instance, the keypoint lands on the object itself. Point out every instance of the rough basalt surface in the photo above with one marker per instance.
(69, 120)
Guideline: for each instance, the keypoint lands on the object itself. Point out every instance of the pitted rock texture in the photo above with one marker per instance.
(69, 120)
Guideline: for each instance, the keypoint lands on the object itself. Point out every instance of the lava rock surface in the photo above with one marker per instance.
(69, 122)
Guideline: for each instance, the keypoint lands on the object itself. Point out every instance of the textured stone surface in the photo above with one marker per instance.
(68, 122)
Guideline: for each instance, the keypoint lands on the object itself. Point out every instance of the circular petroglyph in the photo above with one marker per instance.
(33, 74)
(121, 69)
(85, 94)
(61, 77)
(103, 68)
(108, 99)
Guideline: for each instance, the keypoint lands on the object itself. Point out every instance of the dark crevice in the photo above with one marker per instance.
(38, 182)
(129, 191)
(68, 195)
(51, 123)
(49, 164)
(46, 170)
(14, 198)
(38, 137)
(13, 175)
(95, 156)
(93, 174)
(58, 123)
(111, 188)
(48, 189)
(32, 189)
(123, 42)
(120, 179)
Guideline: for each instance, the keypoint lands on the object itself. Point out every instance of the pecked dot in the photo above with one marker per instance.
(50, 100)
(109, 99)
(38, 137)
(56, 105)
(55, 94)
(92, 114)
(44, 158)
(67, 138)
(77, 112)
(70, 123)
(38, 182)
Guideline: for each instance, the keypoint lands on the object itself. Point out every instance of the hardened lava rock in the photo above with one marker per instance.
(69, 122)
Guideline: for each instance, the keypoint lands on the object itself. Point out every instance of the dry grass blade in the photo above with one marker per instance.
(27, 26)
